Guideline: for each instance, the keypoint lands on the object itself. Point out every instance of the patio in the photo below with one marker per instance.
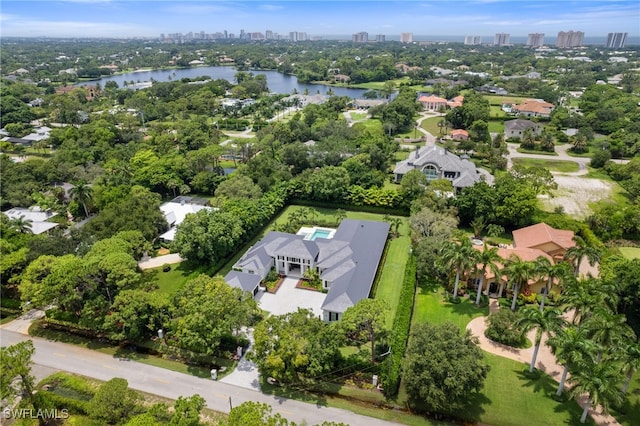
(289, 299)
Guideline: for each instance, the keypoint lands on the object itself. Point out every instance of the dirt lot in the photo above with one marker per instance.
(575, 193)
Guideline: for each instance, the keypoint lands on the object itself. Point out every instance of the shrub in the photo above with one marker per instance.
(527, 298)
(400, 330)
(501, 328)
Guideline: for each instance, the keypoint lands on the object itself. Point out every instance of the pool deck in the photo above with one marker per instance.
(311, 233)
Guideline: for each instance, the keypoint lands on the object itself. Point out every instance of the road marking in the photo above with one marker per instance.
(219, 395)
(163, 381)
(108, 366)
(60, 355)
(285, 411)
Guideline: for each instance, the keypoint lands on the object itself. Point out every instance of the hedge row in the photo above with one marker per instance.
(401, 326)
(366, 209)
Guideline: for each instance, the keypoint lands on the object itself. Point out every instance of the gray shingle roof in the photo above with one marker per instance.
(366, 240)
(444, 160)
(242, 280)
(518, 124)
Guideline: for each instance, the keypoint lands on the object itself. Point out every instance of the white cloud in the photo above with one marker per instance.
(271, 7)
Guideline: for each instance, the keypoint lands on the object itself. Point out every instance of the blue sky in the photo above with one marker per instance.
(112, 18)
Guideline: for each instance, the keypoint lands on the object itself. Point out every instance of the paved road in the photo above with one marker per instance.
(169, 384)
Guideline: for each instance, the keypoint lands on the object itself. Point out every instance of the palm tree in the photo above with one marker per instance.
(579, 252)
(572, 347)
(519, 272)
(395, 222)
(488, 258)
(82, 193)
(21, 225)
(340, 215)
(546, 269)
(599, 381)
(582, 295)
(460, 257)
(629, 355)
(544, 322)
(608, 329)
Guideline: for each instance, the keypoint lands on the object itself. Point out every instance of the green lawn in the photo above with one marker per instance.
(431, 305)
(172, 281)
(388, 288)
(552, 165)
(629, 413)
(630, 252)
(536, 152)
(496, 126)
(497, 99)
(431, 125)
(358, 115)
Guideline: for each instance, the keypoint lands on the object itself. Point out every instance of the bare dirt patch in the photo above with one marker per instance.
(574, 194)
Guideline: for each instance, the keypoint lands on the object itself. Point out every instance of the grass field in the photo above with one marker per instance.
(510, 396)
(630, 252)
(431, 125)
(536, 152)
(172, 281)
(561, 166)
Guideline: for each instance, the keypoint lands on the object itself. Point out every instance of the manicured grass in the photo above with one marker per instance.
(536, 152)
(497, 100)
(402, 155)
(431, 125)
(358, 115)
(496, 111)
(496, 126)
(172, 281)
(432, 305)
(629, 413)
(388, 288)
(552, 165)
(587, 154)
(372, 124)
(630, 252)
(511, 396)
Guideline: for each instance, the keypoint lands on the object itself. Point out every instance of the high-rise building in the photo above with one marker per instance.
(501, 39)
(361, 37)
(268, 35)
(226, 34)
(241, 34)
(567, 39)
(616, 40)
(406, 37)
(380, 38)
(535, 39)
(472, 40)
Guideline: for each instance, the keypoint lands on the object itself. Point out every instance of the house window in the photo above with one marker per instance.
(334, 316)
(449, 175)
(431, 172)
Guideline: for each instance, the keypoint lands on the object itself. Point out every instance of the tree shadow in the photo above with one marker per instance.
(300, 392)
(629, 411)
(472, 412)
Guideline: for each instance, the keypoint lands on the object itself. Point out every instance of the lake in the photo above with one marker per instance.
(277, 82)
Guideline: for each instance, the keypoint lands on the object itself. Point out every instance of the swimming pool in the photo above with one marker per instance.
(319, 233)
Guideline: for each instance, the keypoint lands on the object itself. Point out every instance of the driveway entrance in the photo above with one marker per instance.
(289, 299)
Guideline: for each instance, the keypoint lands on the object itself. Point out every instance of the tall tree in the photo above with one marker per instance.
(519, 272)
(443, 367)
(15, 371)
(581, 251)
(368, 317)
(461, 257)
(600, 382)
(547, 270)
(608, 330)
(114, 402)
(543, 322)
(82, 193)
(487, 262)
(572, 347)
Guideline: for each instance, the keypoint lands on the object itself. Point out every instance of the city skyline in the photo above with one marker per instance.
(120, 19)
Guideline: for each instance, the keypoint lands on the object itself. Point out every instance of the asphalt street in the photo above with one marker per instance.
(50, 356)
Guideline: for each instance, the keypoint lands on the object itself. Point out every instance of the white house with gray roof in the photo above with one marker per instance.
(438, 163)
(347, 262)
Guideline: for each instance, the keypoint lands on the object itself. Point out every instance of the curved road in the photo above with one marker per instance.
(170, 384)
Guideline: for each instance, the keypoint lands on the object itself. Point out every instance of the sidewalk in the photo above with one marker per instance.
(545, 361)
(246, 374)
(22, 323)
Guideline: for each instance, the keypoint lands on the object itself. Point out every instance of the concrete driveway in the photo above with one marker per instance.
(289, 299)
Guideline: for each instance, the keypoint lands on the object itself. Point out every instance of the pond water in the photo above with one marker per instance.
(277, 82)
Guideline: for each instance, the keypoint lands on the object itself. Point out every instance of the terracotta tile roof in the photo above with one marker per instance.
(541, 233)
(525, 254)
(538, 107)
(457, 132)
(431, 98)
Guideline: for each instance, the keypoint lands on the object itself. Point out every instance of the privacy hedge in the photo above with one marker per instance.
(401, 327)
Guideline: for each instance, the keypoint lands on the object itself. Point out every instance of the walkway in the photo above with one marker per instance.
(545, 361)
(246, 374)
(156, 262)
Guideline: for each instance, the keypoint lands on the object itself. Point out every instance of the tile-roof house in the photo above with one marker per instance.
(516, 128)
(541, 236)
(533, 108)
(459, 135)
(347, 263)
(438, 163)
(530, 243)
(432, 102)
